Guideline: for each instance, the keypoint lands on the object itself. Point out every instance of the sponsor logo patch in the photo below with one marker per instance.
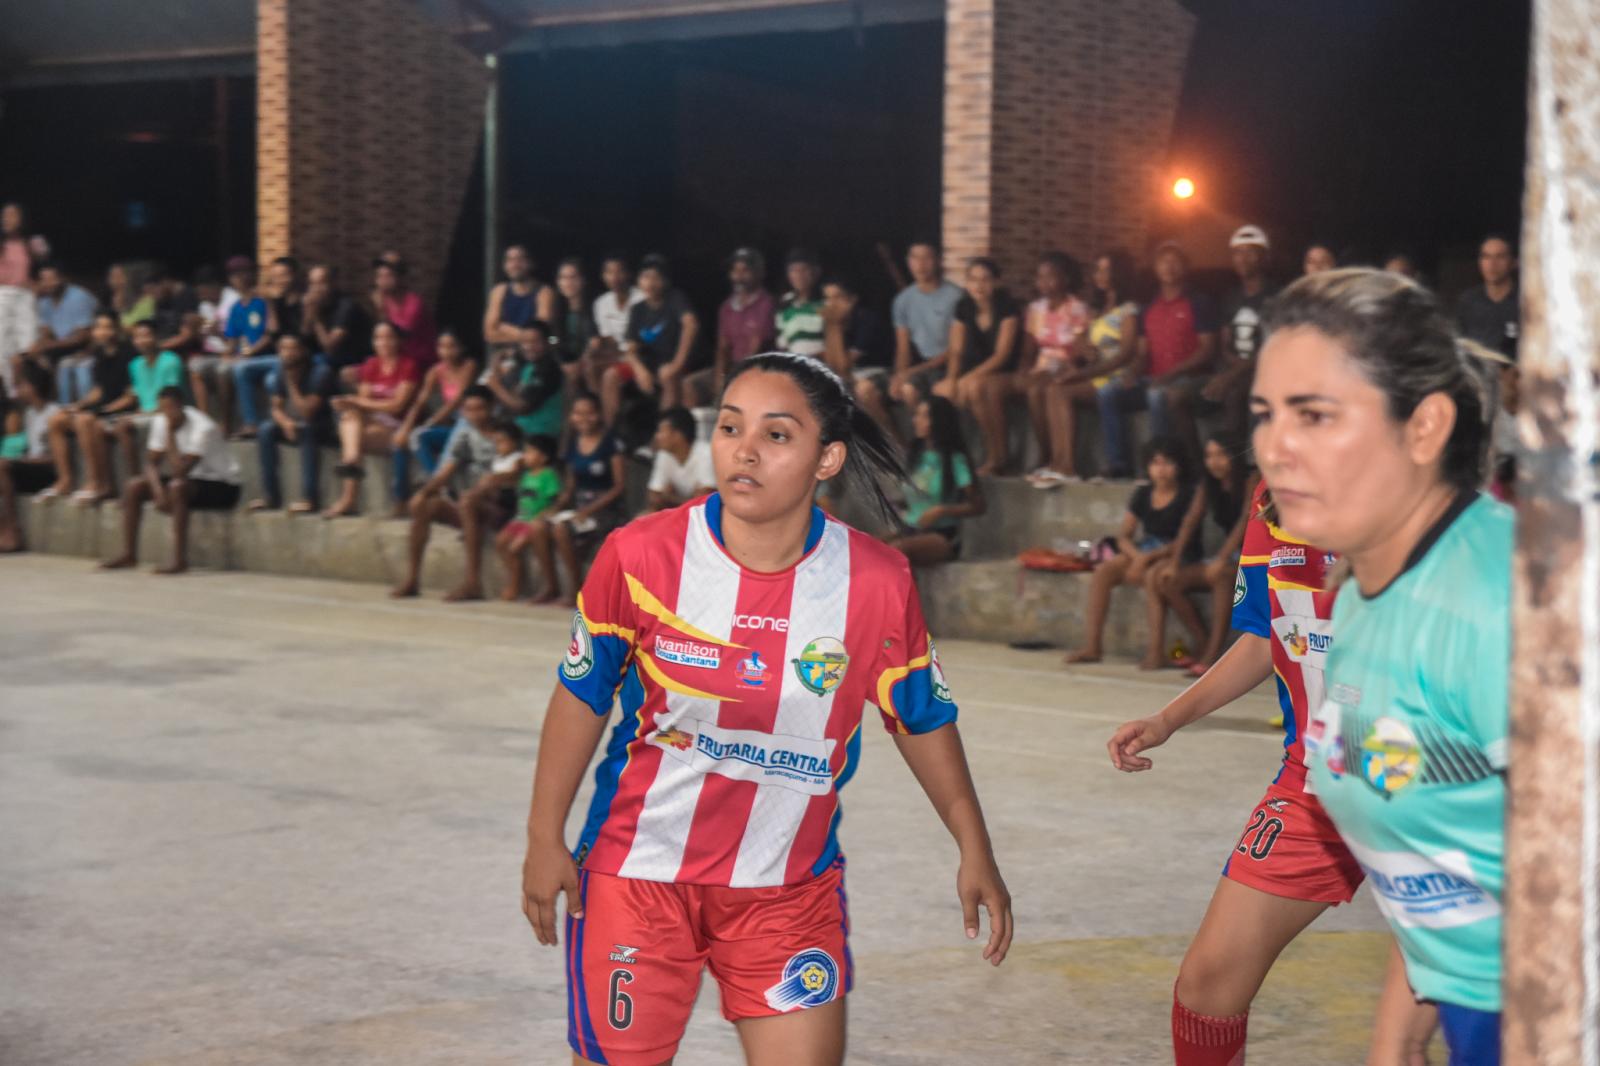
(810, 979)
(1287, 557)
(625, 955)
(1427, 891)
(1390, 755)
(761, 623)
(579, 659)
(688, 653)
(821, 665)
(798, 763)
(752, 672)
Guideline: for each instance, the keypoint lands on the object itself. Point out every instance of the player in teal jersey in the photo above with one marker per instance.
(1372, 431)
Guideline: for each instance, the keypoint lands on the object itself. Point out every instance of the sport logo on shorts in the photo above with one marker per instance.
(579, 659)
(810, 979)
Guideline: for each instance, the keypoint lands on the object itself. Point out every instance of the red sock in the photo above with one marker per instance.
(1201, 1041)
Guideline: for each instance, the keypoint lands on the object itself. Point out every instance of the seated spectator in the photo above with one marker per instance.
(179, 327)
(1241, 329)
(108, 395)
(188, 467)
(746, 325)
(367, 420)
(151, 370)
(1177, 347)
(527, 382)
(213, 370)
(538, 488)
(574, 318)
(591, 499)
(432, 417)
(285, 314)
(799, 321)
(940, 490)
(516, 302)
(488, 505)
(301, 415)
(468, 459)
(923, 312)
(1318, 258)
(1491, 313)
(64, 314)
(1053, 355)
(1147, 537)
(394, 302)
(611, 311)
(1404, 264)
(75, 373)
(984, 349)
(128, 292)
(1224, 497)
(249, 336)
(856, 343)
(662, 330)
(335, 324)
(27, 469)
(682, 467)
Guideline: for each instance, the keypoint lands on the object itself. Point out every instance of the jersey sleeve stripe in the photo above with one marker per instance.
(605, 629)
(647, 602)
(1254, 560)
(886, 684)
(1278, 583)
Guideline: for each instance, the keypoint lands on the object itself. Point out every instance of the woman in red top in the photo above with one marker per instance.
(393, 302)
(368, 420)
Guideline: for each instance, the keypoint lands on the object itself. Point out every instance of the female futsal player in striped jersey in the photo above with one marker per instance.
(744, 634)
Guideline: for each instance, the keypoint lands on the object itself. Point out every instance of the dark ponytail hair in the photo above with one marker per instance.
(944, 437)
(871, 457)
(1393, 330)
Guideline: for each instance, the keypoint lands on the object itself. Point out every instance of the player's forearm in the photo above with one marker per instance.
(1242, 668)
(566, 743)
(939, 763)
(1402, 1028)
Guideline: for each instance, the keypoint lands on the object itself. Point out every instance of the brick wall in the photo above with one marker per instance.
(368, 118)
(1057, 119)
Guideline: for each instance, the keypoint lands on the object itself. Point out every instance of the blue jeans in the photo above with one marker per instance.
(250, 379)
(74, 378)
(429, 445)
(1116, 399)
(309, 440)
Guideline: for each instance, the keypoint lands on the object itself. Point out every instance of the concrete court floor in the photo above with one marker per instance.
(255, 820)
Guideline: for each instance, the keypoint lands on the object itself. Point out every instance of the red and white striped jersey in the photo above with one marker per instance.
(742, 695)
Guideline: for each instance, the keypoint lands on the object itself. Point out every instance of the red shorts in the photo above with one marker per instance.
(635, 958)
(1290, 848)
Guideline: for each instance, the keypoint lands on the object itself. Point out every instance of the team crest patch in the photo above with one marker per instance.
(1239, 587)
(941, 690)
(810, 979)
(1390, 755)
(579, 659)
(821, 665)
(752, 672)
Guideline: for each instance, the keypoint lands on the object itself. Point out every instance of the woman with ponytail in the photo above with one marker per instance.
(744, 633)
(1373, 425)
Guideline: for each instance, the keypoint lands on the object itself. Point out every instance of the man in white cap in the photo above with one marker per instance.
(1241, 326)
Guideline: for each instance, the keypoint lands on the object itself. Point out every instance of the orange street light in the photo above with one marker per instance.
(1183, 188)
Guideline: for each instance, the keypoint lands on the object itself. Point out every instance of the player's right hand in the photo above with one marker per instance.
(547, 872)
(1131, 738)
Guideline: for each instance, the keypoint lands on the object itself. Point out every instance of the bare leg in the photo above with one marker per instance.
(179, 495)
(569, 558)
(1239, 939)
(425, 510)
(1037, 394)
(351, 426)
(1221, 617)
(59, 427)
(472, 520)
(92, 442)
(814, 1037)
(871, 398)
(1107, 576)
(129, 436)
(509, 547)
(543, 541)
(611, 394)
(924, 549)
(1177, 594)
(225, 395)
(10, 535)
(197, 385)
(1157, 580)
(133, 499)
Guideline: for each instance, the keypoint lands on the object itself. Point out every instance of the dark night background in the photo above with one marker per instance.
(1366, 124)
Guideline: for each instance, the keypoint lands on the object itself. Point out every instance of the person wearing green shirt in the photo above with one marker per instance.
(538, 489)
(940, 489)
(1372, 430)
(799, 318)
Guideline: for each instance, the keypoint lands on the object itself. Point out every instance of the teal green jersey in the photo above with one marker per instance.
(1408, 753)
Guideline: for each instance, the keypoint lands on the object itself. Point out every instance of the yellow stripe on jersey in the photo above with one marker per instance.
(605, 629)
(660, 678)
(886, 684)
(1287, 538)
(646, 601)
(1277, 583)
(1254, 560)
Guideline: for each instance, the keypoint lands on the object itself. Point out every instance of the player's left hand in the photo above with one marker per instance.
(978, 882)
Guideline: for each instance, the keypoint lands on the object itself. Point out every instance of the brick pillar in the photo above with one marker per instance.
(368, 118)
(1057, 115)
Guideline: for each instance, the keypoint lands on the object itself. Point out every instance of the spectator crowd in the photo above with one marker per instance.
(523, 444)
